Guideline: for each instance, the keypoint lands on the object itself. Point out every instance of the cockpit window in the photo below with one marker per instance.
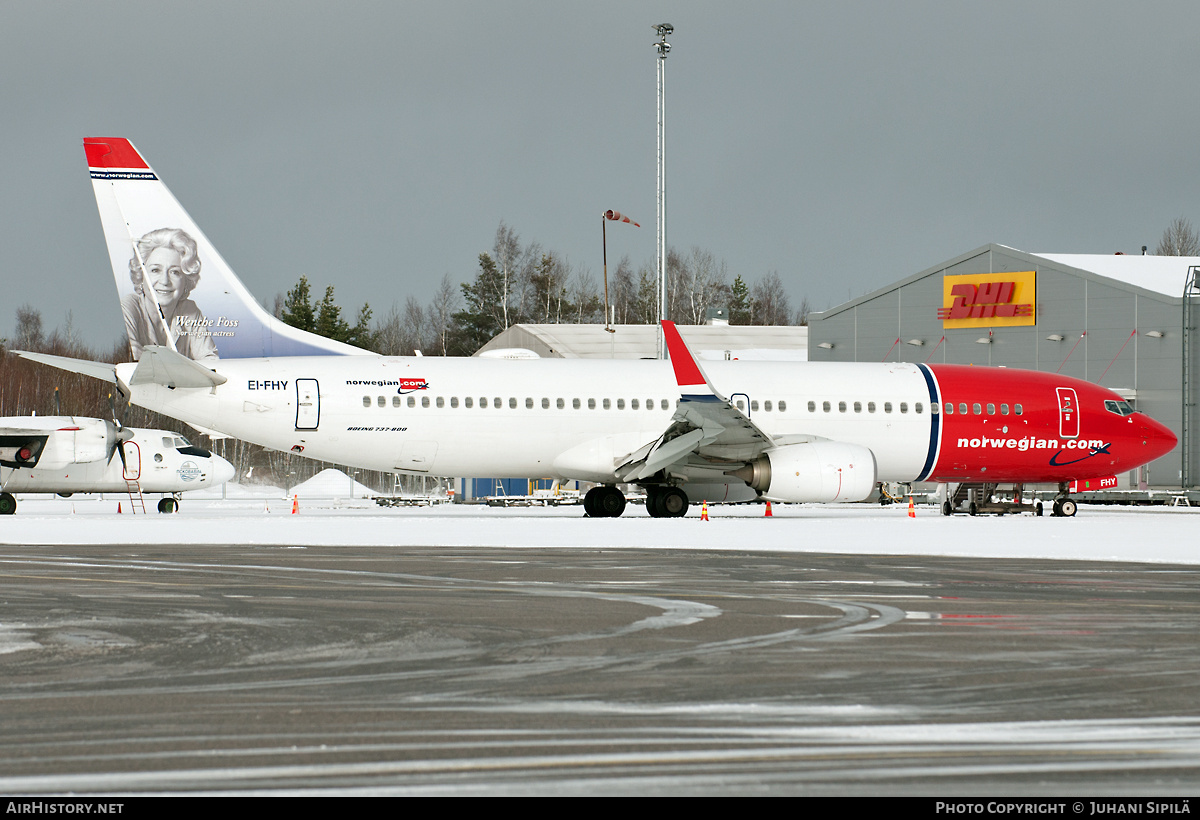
(1121, 408)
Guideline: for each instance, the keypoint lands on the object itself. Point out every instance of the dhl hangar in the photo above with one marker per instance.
(1128, 322)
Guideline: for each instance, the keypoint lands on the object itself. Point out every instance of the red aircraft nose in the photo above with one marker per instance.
(1157, 440)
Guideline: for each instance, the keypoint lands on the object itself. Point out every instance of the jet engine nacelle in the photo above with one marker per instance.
(819, 471)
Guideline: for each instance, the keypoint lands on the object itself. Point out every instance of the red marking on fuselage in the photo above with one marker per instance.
(1030, 447)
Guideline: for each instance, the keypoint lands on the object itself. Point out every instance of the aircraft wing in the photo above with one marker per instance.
(706, 431)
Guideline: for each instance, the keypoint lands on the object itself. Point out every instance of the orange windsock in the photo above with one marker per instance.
(616, 216)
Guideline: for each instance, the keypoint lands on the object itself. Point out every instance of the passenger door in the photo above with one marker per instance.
(308, 404)
(1068, 412)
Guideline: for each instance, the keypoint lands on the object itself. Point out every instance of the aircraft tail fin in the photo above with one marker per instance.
(176, 291)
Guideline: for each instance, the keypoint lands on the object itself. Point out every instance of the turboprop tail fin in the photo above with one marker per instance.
(176, 291)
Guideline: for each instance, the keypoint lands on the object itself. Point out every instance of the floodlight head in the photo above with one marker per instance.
(664, 29)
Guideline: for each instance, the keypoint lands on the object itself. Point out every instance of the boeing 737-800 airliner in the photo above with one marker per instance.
(206, 353)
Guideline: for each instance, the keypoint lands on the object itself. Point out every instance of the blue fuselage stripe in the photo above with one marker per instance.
(935, 421)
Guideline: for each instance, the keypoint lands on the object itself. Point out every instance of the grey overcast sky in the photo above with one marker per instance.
(377, 145)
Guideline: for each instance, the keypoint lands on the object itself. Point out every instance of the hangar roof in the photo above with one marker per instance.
(640, 341)
(1161, 274)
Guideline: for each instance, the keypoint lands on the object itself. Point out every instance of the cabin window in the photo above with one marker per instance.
(741, 405)
(497, 402)
(767, 406)
(841, 407)
(870, 407)
(468, 402)
(1004, 409)
(424, 401)
(528, 402)
(649, 404)
(608, 404)
(560, 404)
(620, 404)
(962, 407)
(903, 407)
(666, 405)
(575, 404)
(887, 407)
(395, 401)
(483, 402)
(782, 406)
(976, 408)
(454, 401)
(633, 404)
(366, 401)
(412, 401)
(512, 402)
(591, 404)
(949, 409)
(917, 408)
(545, 404)
(441, 402)
(991, 409)
(825, 406)
(381, 401)
(812, 407)
(934, 408)
(858, 407)
(1017, 409)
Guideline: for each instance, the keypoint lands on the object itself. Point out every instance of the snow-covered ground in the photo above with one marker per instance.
(329, 516)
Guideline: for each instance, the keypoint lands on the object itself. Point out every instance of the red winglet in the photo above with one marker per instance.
(687, 372)
(112, 152)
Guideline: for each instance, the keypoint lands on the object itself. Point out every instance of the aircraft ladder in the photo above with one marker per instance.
(135, 489)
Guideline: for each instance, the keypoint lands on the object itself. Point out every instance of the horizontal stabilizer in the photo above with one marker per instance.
(97, 370)
(161, 365)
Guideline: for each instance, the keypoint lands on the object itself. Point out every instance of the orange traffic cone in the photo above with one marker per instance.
(295, 505)
(704, 511)
(912, 513)
(768, 515)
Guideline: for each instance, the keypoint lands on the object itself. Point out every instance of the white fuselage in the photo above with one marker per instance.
(154, 463)
(556, 418)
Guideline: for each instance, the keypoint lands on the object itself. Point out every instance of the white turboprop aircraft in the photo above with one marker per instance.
(69, 454)
(206, 353)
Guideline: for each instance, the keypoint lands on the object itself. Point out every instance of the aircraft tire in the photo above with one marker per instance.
(167, 505)
(1056, 508)
(1067, 508)
(610, 503)
(973, 509)
(654, 498)
(947, 509)
(8, 504)
(673, 503)
(589, 502)
(1037, 510)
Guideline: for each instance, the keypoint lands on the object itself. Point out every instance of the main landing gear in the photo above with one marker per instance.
(661, 502)
(8, 504)
(603, 502)
(666, 502)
